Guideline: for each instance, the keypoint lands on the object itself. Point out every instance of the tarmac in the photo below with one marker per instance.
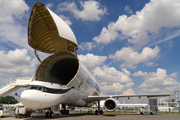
(81, 116)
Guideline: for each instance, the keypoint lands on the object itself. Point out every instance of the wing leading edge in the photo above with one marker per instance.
(103, 97)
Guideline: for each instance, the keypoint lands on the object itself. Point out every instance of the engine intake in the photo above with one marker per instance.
(110, 105)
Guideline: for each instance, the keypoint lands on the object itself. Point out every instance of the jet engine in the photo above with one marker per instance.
(110, 105)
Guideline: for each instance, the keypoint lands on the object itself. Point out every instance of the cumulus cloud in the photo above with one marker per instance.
(11, 12)
(118, 88)
(138, 28)
(173, 75)
(16, 33)
(139, 73)
(17, 63)
(107, 34)
(92, 10)
(10, 8)
(131, 58)
(110, 74)
(66, 19)
(149, 64)
(92, 61)
(87, 45)
(50, 5)
(128, 10)
(128, 92)
(158, 81)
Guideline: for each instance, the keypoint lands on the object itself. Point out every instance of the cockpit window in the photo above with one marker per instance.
(48, 90)
(45, 89)
(33, 87)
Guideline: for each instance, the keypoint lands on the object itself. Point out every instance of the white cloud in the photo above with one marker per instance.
(139, 27)
(158, 82)
(66, 19)
(118, 88)
(92, 61)
(149, 64)
(128, 10)
(15, 33)
(128, 92)
(17, 63)
(50, 5)
(10, 8)
(92, 10)
(107, 35)
(139, 73)
(87, 45)
(173, 75)
(12, 29)
(132, 58)
(111, 75)
(126, 72)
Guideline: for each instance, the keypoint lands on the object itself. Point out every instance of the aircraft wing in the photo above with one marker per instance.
(103, 97)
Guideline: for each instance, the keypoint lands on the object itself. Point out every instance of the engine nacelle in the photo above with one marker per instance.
(110, 105)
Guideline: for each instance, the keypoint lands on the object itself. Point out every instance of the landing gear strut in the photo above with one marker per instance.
(99, 111)
(64, 111)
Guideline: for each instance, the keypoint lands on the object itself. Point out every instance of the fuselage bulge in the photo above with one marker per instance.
(61, 78)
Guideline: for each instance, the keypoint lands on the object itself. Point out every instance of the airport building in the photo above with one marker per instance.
(165, 104)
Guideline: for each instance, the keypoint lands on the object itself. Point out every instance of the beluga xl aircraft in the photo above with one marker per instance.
(61, 78)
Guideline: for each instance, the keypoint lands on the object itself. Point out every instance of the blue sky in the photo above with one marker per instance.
(131, 46)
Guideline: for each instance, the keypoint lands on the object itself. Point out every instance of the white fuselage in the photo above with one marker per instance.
(41, 95)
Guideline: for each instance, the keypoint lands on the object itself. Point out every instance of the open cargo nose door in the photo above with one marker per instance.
(48, 33)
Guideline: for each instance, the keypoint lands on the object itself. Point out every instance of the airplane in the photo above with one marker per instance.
(61, 78)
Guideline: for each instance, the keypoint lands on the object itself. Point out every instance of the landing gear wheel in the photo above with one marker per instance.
(67, 112)
(51, 114)
(96, 112)
(47, 114)
(64, 111)
(151, 113)
(141, 113)
(101, 112)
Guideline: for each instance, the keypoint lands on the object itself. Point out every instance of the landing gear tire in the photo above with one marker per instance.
(51, 114)
(47, 114)
(96, 112)
(151, 113)
(64, 111)
(67, 112)
(101, 112)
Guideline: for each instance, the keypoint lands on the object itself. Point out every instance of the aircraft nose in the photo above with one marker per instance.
(23, 96)
(26, 99)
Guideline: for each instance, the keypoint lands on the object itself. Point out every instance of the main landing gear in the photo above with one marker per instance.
(49, 114)
(99, 111)
(64, 111)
